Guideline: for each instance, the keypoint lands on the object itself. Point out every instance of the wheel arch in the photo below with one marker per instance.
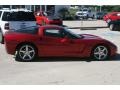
(29, 43)
(101, 44)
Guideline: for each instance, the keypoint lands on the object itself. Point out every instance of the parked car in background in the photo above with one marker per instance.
(49, 41)
(15, 19)
(85, 13)
(114, 25)
(44, 18)
(113, 16)
(100, 15)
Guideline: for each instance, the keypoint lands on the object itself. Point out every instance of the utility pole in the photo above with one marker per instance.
(34, 8)
(45, 8)
(10, 6)
(100, 8)
(40, 7)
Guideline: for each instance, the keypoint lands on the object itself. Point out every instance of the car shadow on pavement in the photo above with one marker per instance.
(72, 59)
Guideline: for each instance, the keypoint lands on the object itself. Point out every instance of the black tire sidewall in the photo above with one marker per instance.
(2, 37)
(112, 27)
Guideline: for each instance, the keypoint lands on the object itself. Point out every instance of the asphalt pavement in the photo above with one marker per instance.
(62, 71)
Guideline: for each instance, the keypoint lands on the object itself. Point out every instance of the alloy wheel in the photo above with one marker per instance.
(100, 53)
(26, 52)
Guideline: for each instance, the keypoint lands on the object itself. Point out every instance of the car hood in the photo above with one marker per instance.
(89, 36)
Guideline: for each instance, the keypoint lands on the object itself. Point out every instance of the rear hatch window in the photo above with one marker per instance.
(18, 16)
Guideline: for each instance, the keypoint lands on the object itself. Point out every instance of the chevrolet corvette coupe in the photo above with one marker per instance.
(50, 41)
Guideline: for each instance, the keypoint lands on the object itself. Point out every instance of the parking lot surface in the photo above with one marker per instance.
(64, 70)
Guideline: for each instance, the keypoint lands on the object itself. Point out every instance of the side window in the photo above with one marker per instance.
(29, 30)
(52, 32)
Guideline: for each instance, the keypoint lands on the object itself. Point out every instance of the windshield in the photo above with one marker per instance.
(73, 34)
(18, 16)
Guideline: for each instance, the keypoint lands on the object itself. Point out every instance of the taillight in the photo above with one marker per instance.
(6, 26)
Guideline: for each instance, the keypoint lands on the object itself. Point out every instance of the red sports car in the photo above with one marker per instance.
(49, 41)
(113, 16)
(44, 18)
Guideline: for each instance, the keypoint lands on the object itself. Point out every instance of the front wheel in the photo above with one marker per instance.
(100, 52)
(26, 53)
(112, 27)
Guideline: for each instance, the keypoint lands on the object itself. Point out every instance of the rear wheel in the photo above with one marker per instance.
(112, 26)
(26, 53)
(100, 52)
(1, 37)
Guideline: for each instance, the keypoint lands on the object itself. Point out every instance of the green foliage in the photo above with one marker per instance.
(66, 14)
(116, 8)
(111, 8)
(63, 12)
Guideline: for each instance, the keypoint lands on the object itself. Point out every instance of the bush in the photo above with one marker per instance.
(66, 14)
(63, 13)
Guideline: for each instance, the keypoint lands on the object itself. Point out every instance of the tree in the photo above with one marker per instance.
(63, 12)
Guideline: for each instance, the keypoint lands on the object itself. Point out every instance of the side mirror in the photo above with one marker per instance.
(66, 39)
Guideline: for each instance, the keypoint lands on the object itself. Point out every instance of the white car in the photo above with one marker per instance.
(15, 19)
(85, 14)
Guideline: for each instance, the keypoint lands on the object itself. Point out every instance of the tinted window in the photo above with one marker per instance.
(52, 32)
(30, 30)
(72, 34)
(18, 16)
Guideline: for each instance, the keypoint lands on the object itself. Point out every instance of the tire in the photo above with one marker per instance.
(100, 52)
(112, 26)
(26, 53)
(93, 17)
(2, 37)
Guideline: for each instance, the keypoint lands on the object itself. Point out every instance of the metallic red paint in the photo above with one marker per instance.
(112, 16)
(54, 46)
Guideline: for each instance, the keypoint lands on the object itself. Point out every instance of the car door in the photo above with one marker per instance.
(54, 43)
